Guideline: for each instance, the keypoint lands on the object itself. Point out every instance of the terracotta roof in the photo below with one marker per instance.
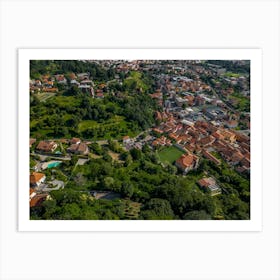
(64, 141)
(37, 200)
(72, 76)
(157, 130)
(46, 145)
(32, 141)
(241, 169)
(246, 162)
(50, 89)
(186, 160)
(35, 177)
(190, 147)
(81, 147)
(247, 156)
(73, 147)
(158, 115)
(31, 191)
(156, 95)
(75, 140)
(237, 156)
(205, 182)
(217, 135)
(207, 140)
(173, 136)
(126, 137)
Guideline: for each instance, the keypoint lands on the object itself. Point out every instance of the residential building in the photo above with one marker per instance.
(36, 179)
(75, 140)
(211, 157)
(211, 185)
(81, 149)
(126, 140)
(46, 146)
(38, 199)
(31, 142)
(32, 193)
(187, 162)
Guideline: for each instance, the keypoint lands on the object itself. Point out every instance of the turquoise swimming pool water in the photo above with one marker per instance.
(54, 164)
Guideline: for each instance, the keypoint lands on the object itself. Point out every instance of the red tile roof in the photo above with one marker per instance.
(37, 200)
(36, 177)
(31, 191)
(32, 141)
(80, 148)
(206, 182)
(75, 140)
(46, 146)
(186, 160)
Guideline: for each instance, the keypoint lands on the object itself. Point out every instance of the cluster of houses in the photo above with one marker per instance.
(49, 83)
(203, 138)
(46, 83)
(75, 146)
(39, 188)
(36, 179)
(83, 82)
(198, 121)
(119, 65)
(129, 143)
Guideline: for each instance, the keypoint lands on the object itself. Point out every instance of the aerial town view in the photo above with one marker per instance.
(139, 140)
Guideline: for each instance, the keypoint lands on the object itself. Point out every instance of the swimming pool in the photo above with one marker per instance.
(54, 164)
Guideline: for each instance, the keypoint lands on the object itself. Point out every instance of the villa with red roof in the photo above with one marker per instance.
(126, 139)
(187, 162)
(46, 146)
(210, 184)
(37, 178)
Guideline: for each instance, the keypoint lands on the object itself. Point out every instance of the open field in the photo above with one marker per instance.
(84, 125)
(170, 154)
(115, 121)
(115, 127)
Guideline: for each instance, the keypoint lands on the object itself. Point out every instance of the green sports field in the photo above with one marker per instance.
(170, 154)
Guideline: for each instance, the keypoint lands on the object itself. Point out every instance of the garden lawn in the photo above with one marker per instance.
(113, 125)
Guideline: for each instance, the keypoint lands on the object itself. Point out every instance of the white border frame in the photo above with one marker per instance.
(254, 55)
